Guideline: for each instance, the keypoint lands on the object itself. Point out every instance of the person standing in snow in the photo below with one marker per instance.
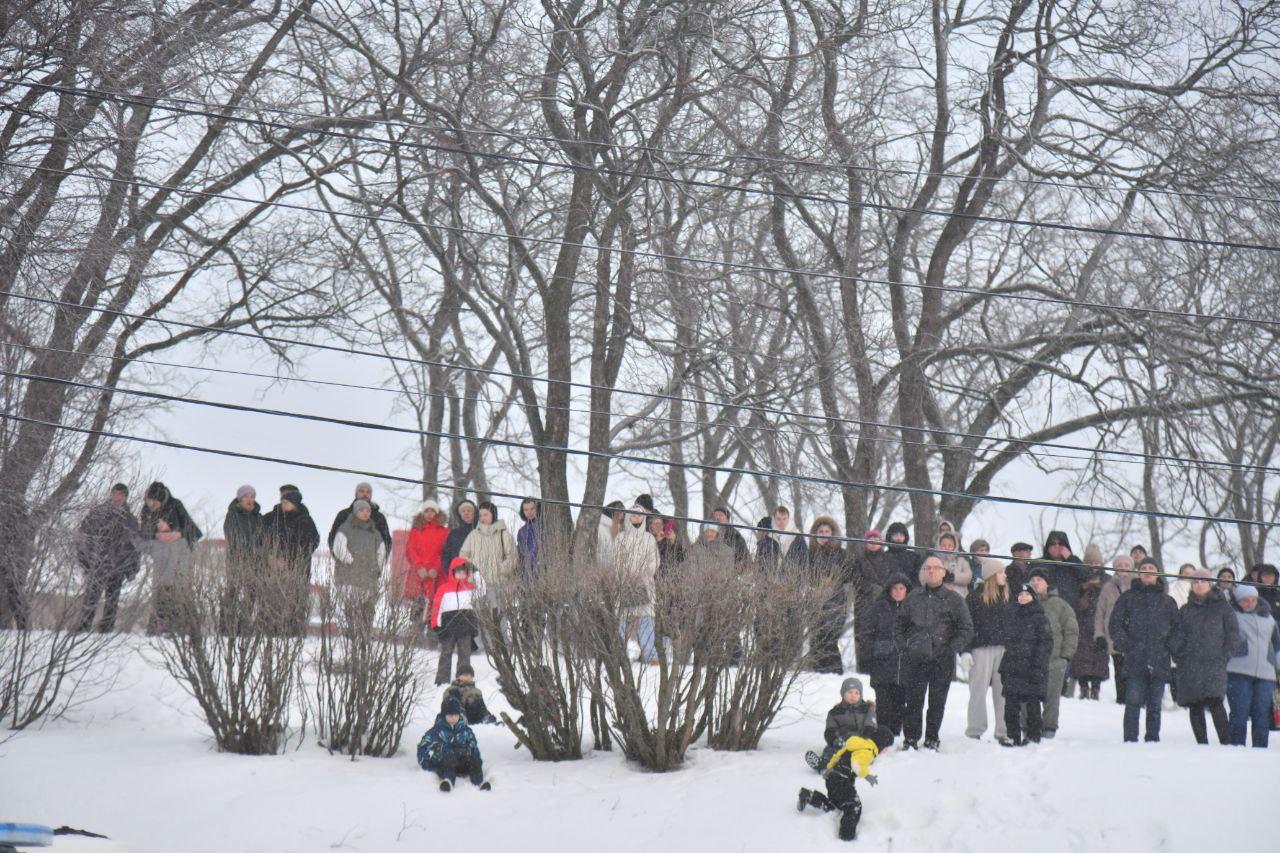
(1253, 668)
(449, 748)
(453, 616)
(289, 540)
(1204, 638)
(529, 540)
(107, 550)
(242, 528)
(461, 523)
(1090, 666)
(829, 561)
(170, 537)
(1024, 668)
(1119, 582)
(635, 555)
(364, 492)
(937, 627)
(492, 549)
(1141, 625)
(889, 664)
(1065, 629)
(1063, 569)
(359, 552)
(871, 572)
(423, 552)
(989, 609)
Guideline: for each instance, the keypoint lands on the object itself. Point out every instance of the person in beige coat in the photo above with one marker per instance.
(1111, 590)
(492, 550)
(635, 560)
(958, 565)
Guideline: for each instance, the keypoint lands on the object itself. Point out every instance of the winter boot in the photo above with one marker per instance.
(1093, 691)
(1084, 690)
(849, 817)
(910, 743)
(932, 743)
(446, 786)
(813, 759)
(486, 785)
(803, 799)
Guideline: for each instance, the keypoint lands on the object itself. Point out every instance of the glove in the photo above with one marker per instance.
(422, 573)
(872, 781)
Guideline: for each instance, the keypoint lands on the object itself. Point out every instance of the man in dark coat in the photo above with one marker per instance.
(1205, 634)
(464, 519)
(1141, 625)
(242, 528)
(906, 560)
(1024, 669)
(888, 664)
(107, 549)
(364, 492)
(289, 539)
(937, 627)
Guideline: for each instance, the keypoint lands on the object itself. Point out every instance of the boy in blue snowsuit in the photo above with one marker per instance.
(449, 748)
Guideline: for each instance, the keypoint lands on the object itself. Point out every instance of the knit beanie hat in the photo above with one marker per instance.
(850, 684)
(245, 490)
(365, 486)
(293, 496)
(874, 535)
(991, 567)
(451, 705)
(1202, 575)
(359, 505)
(1244, 591)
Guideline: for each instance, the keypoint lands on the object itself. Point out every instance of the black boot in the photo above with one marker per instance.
(849, 817)
(803, 799)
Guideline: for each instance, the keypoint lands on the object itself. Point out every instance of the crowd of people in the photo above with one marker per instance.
(1023, 633)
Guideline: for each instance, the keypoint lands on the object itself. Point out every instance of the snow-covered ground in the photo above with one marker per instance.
(137, 765)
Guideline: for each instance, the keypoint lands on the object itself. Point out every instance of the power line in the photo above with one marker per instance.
(1170, 460)
(641, 460)
(643, 253)
(630, 392)
(528, 160)
(397, 478)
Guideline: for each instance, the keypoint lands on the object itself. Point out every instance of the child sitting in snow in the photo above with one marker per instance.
(465, 691)
(852, 717)
(853, 759)
(449, 748)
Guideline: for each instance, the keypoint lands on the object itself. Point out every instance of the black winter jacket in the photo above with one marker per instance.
(243, 530)
(936, 624)
(1141, 626)
(458, 533)
(846, 721)
(1204, 638)
(1068, 580)
(1024, 669)
(107, 544)
(990, 621)
(290, 536)
(871, 573)
(888, 648)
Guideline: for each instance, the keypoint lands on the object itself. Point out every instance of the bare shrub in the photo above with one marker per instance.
(776, 618)
(51, 666)
(231, 637)
(530, 631)
(368, 671)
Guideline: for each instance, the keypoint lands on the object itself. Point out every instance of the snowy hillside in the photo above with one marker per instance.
(136, 765)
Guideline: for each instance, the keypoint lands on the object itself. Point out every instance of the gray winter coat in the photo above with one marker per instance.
(1257, 651)
(1204, 638)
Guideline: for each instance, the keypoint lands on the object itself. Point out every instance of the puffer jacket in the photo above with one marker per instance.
(1024, 669)
(106, 542)
(1204, 638)
(990, 621)
(243, 531)
(1063, 624)
(845, 721)
(888, 666)
(425, 551)
(443, 739)
(1257, 651)
(1141, 625)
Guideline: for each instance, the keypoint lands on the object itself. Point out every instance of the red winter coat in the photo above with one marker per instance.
(423, 552)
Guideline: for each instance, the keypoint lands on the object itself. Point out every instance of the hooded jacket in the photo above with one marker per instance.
(1066, 576)
(1205, 636)
(906, 561)
(458, 532)
(452, 609)
(1141, 625)
(1024, 669)
(423, 552)
(888, 666)
(635, 560)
